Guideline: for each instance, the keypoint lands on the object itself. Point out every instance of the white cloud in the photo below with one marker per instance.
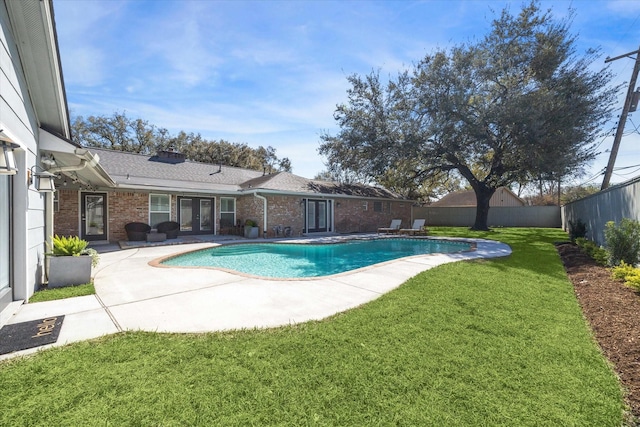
(624, 6)
(271, 73)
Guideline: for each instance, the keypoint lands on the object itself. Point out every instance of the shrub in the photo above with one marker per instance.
(73, 246)
(623, 241)
(68, 246)
(577, 230)
(599, 254)
(628, 273)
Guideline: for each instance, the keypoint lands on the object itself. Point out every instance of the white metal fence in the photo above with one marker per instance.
(499, 216)
(612, 204)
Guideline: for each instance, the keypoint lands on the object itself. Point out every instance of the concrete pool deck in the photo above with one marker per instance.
(133, 295)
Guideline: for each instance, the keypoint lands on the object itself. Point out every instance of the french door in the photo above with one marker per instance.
(318, 216)
(195, 215)
(93, 216)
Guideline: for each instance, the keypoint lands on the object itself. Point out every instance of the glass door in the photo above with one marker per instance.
(206, 215)
(195, 215)
(93, 223)
(317, 216)
(186, 215)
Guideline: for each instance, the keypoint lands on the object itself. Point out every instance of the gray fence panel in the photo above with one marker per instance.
(503, 216)
(612, 204)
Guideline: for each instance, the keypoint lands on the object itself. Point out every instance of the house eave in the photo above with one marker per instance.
(33, 25)
(73, 161)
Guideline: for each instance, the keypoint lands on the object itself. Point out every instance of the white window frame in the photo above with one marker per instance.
(234, 212)
(151, 211)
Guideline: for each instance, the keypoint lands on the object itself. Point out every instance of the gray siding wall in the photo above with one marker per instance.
(613, 204)
(19, 121)
(499, 216)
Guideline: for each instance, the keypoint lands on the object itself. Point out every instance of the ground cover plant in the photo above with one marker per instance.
(490, 342)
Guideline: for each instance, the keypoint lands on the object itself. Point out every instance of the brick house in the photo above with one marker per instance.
(97, 200)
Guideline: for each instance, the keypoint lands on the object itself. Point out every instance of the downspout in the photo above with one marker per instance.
(82, 165)
(48, 233)
(264, 213)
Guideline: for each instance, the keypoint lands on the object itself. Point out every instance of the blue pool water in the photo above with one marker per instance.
(290, 260)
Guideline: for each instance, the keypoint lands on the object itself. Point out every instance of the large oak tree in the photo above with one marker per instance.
(517, 104)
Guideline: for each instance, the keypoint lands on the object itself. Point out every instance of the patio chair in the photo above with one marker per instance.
(170, 228)
(137, 231)
(417, 228)
(393, 228)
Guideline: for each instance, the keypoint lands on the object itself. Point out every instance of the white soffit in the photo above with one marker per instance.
(33, 26)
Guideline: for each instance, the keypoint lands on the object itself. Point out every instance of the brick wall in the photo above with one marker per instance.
(358, 216)
(123, 208)
(250, 207)
(66, 220)
(285, 211)
(350, 215)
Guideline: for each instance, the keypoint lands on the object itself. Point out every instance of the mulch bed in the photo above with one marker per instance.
(612, 309)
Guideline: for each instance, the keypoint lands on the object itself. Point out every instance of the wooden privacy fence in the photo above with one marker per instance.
(612, 204)
(499, 216)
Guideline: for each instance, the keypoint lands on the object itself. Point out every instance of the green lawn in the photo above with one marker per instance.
(62, 293)
(482, 343)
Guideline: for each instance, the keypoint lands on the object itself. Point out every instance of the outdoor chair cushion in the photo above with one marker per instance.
(137, 231)
(170, 228)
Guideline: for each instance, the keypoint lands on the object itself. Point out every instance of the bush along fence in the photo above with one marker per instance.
(621, 251)
(613, 204)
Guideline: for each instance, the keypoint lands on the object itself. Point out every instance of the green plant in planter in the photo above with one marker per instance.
(73, 246)
(251, 229)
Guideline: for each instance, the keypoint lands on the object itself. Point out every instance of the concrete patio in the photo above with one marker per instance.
(133, 295)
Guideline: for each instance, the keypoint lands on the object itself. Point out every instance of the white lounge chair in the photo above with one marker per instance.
(393, 228)
(417, 228)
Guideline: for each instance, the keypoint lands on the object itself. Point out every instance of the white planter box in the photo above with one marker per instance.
(69, 270)
(251, 232)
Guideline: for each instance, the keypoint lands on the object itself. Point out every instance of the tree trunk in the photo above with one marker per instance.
(483, 195)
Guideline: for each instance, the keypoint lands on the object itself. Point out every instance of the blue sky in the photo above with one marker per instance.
(271, 72)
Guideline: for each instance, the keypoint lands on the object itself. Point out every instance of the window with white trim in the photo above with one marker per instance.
(227, 212)
(159, 209)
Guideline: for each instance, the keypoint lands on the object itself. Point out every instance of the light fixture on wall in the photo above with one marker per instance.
(43, 180)
(7, 158)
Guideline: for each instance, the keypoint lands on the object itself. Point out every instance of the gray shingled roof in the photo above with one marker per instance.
(135, 170)
(457, 199)
(138, 169)
(285, 181)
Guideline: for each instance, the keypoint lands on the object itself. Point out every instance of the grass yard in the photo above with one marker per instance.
(481, 343)
(62, 293)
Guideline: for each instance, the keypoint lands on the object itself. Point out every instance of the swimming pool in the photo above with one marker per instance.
(294, 260)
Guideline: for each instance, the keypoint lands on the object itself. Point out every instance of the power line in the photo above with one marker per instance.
(623, 115)
(623, 175)
(593, 178)
(625, 167)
